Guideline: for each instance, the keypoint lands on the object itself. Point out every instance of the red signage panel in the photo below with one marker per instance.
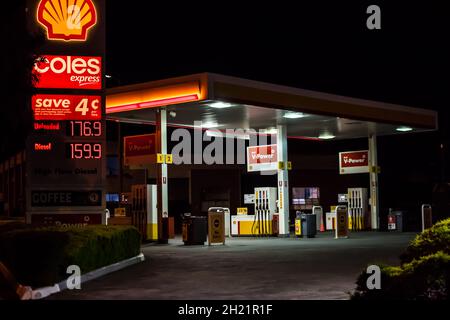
(262, 158)
(354, 162)
(69, 72)
(140, 151)
(66, 107)
(142, 145)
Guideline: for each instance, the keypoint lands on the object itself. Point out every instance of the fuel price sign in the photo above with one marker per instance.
(66, 107)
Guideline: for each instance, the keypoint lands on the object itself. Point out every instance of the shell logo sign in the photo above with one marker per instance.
(67, 19)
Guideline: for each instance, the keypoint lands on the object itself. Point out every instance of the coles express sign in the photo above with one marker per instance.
(68, 72)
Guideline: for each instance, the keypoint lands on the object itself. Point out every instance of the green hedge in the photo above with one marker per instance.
(430, 241)
(427, 278)
(424, 273)
(40, 257)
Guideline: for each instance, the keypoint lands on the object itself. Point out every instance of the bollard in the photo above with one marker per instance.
(427, 217)
(341, 222)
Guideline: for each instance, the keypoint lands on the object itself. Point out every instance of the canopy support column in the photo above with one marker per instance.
(283, 181)
(162, 180)
(373, 168)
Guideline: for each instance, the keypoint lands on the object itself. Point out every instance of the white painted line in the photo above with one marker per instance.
(47, 291)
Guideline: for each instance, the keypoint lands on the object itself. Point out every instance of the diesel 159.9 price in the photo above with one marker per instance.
(89, 151)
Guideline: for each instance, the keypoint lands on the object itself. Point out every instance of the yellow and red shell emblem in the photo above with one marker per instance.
(67, 19)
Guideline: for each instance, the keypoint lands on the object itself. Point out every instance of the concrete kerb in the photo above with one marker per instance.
(41, 293)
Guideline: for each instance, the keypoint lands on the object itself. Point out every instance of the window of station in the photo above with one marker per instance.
(112, 165)
(215, 197)
(304, 198)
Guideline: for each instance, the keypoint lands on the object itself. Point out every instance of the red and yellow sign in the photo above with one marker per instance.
(354, 162)
(262, 158)
(143, 145)
(67, 20)
(68, 72)
(140, 151)
(66, 107)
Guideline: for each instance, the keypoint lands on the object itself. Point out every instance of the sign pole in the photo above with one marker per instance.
(161, 177)
(373, 165)
(120, 155)
(283, 182)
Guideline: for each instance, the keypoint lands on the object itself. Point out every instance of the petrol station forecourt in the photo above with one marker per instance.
(223, 102)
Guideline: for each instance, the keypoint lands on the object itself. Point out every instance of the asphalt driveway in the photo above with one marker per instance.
(249, 268)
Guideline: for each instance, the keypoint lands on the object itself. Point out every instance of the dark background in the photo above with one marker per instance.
(317, 45)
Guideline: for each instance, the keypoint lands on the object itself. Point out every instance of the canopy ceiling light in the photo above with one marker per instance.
(220, 105)
(294, 115)
(404, 129)
(326, 136)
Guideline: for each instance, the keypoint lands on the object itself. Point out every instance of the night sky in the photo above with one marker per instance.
(323, 46)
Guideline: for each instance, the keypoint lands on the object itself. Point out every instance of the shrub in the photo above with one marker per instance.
(424, 273)
(40, 256)
(430, 241)
(426, 278)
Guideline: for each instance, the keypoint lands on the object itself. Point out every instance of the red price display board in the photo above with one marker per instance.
(69, 72)
(66, 107)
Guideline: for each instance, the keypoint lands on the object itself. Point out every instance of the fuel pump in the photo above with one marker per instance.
(358, 209)
(265, 207)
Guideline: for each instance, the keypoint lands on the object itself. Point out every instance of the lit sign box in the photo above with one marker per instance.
(354, 162)
(140, 150)
(66, 107)
(57, 198)
(68, 72)
(67, 20)
(262, 158)
(66, 219)
(153, 97)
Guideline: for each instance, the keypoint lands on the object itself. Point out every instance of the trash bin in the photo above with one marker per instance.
(309, 228)
(305, 225)
(298, 224)
(194, 229)
(395, 221)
